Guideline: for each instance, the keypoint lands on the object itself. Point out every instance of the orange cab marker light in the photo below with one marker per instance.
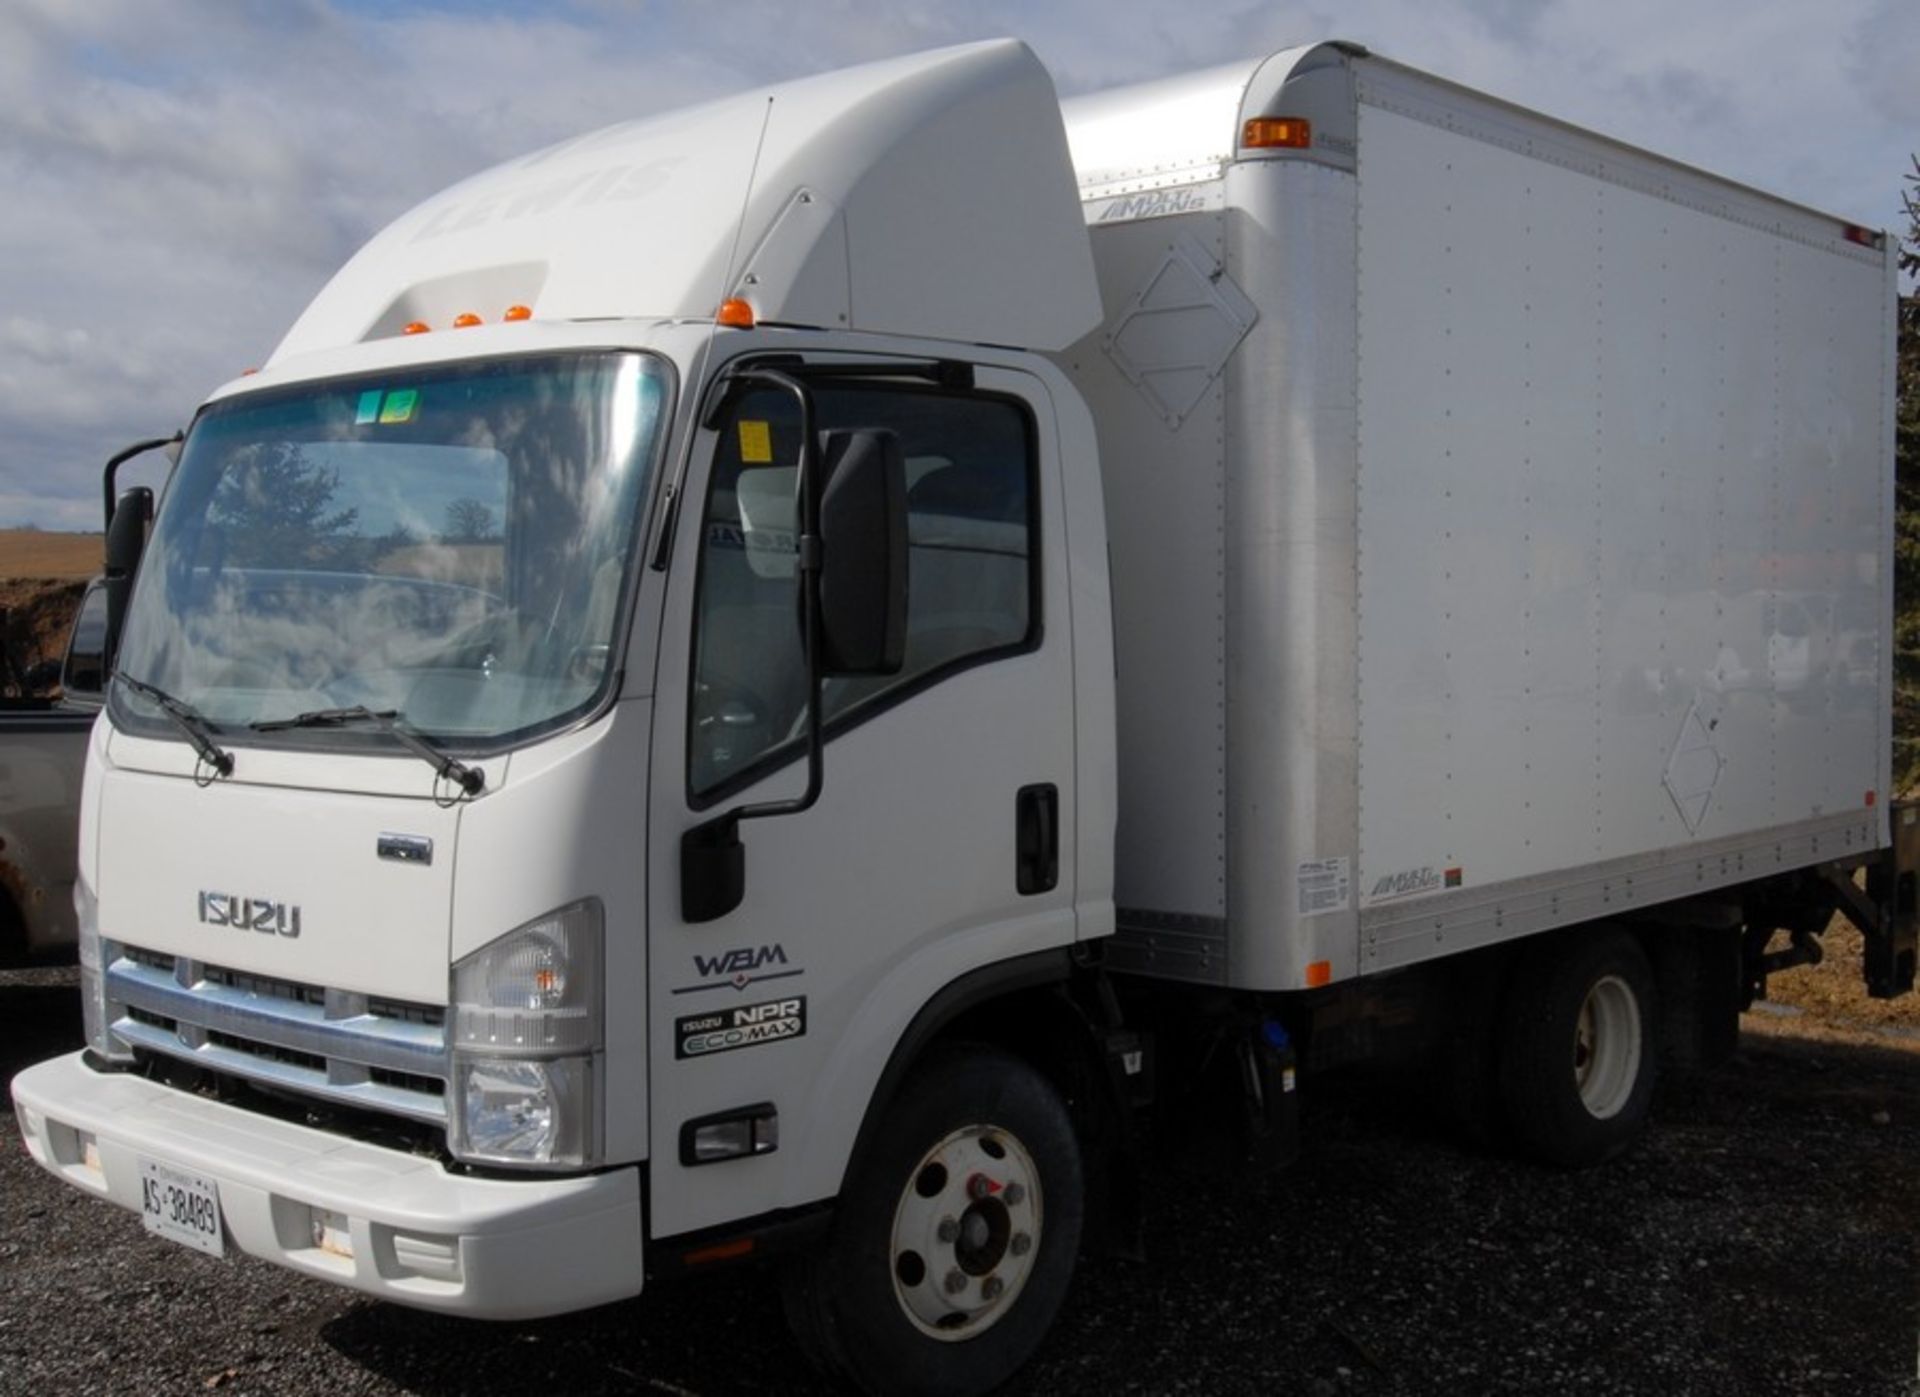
(518, 313)
(1267, 132)
(723, 1251)
(735, 314)
(415, 327)
(466, 320)
(1319, 972)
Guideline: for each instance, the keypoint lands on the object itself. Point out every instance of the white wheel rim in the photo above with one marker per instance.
(1606, 1047)
(965, 1233)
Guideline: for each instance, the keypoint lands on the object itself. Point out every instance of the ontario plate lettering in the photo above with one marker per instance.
(745, 1026)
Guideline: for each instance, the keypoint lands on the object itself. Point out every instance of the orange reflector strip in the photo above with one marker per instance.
(415, 327)
(735, 314)
(1266, 132)
(466, 320)
(518, 313)
(721, 1251)
(1319, 973)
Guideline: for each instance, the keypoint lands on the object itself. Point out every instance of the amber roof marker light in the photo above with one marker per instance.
(735, 314)
(1277, 132)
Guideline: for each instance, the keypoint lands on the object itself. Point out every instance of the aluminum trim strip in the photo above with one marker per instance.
(1407, 933)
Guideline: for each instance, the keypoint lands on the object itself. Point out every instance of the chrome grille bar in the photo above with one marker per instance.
(333, 1044)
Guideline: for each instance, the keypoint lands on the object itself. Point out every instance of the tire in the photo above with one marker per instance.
(955, 1237)
(1579, 1046)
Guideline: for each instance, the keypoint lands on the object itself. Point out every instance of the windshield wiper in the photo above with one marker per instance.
(199, 731)
(468, 778)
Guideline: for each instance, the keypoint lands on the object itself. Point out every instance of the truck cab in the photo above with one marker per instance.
(505, 863)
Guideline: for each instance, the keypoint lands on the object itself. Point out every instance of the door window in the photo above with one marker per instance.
(971, 576)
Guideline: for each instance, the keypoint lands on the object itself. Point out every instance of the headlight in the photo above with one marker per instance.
(93, 981)
(526, 1033)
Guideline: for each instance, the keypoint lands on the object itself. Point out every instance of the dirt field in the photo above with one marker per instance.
(32, 553)
(42, 576)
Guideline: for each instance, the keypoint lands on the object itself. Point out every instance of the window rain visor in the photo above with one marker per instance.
(450, 543)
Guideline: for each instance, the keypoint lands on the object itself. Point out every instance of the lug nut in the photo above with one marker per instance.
(1015, 1194)
(991, 1287)
(948, 1231)
(1021, 1244)
(956, 1281)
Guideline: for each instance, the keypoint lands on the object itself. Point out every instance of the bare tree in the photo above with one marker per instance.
(469, 521)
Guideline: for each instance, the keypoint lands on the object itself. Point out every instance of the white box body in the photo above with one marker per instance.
(1501, 522)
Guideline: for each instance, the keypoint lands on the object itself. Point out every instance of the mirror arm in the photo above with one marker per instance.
(713, 861)
(111, 477)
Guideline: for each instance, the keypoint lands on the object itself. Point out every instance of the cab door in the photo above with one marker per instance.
(937, 843)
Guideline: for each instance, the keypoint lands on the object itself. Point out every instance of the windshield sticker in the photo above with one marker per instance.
(400, 405)
(378, 405)
(756, 444)
(701, 1035)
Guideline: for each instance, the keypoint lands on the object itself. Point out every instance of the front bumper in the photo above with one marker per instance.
(485, 1248)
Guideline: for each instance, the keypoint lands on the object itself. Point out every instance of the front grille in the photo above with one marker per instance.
(356, 1050)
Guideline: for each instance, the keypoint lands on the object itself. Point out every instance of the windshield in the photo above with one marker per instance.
(450, 544)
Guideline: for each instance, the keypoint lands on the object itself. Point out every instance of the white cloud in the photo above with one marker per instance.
(181, 177)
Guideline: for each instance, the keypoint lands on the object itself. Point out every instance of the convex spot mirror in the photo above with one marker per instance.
(862, 521)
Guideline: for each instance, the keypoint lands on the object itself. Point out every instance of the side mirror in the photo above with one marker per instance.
(83, 675)
(126, 540)
(863, 553)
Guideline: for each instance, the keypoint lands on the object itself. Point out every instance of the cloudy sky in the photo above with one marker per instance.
(182, 175)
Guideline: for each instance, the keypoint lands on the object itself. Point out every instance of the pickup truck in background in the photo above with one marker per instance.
(43, 751)
(43, 754)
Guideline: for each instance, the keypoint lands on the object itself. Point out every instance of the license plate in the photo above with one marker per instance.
(182, 1206)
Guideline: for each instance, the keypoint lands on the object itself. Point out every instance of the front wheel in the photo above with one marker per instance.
(955, 1237)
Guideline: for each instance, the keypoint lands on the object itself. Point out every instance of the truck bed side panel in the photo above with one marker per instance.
(1621, 530)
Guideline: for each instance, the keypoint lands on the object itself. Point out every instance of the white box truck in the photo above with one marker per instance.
(764, 681)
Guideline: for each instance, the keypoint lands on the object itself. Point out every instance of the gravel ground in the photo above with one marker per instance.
(1762, 1239)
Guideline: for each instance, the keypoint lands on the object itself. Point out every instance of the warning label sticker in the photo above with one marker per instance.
(1324, 886)
(756, 443)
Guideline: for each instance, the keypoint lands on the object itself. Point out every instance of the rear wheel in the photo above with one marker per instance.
(1577, 1053)
(955, 1238)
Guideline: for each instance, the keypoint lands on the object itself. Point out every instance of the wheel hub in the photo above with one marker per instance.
(965, 1232)
(1606, 1047)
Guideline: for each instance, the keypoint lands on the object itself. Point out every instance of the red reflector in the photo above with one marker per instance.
(720, 1251)
(1866, 237)
(1267, 132)
(1872, 796)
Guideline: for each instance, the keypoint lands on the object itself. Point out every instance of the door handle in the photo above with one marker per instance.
(1036, 839)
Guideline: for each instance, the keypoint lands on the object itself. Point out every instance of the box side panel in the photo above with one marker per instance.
(1163, 478)
(1621, 533)
(1291, 657)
